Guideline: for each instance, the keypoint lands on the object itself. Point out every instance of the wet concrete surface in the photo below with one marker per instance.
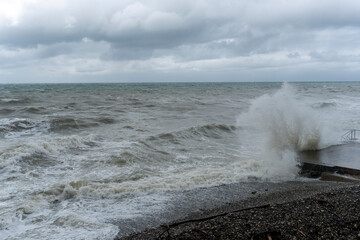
(344, 155)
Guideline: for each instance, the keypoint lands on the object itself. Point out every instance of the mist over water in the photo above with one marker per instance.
(76, 159)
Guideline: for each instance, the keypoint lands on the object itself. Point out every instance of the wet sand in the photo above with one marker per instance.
(289, 210)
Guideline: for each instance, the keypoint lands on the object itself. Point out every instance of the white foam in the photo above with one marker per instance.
(276, 127)
(19, 127)
(13, 152)
(6, 100)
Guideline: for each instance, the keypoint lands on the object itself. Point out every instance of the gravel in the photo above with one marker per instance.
(331, 212)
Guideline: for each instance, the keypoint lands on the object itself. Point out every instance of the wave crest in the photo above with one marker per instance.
(17, 127)
(324, 105)
(209, 131)
(284, 121)
(278, 126)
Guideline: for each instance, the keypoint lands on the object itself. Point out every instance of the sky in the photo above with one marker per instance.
(179, 40)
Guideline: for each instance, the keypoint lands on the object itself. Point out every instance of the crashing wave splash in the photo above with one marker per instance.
(281, 125)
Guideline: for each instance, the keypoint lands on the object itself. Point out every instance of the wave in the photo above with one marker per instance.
(210, 131)
(17, 127)
(34, 109)
(163, 149)
(106, 120)
(6, 111)
(278, 126)
(169, 148)
(284, 121)
(65, 123)
(15, 100)
(324, 105)
(40, 152)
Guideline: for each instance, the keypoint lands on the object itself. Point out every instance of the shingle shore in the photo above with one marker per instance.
(333, 214)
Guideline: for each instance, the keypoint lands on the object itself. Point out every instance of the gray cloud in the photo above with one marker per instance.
(135, 24)
(114, 37)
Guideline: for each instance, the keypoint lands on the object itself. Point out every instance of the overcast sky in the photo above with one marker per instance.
(179, 40)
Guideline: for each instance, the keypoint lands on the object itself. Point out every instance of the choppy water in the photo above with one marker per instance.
(77, 159)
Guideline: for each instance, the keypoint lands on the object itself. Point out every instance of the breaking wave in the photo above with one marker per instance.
(324, 105)
(65, 123)
(17, 127)
(40, 152)
(15, 100)
(209, 131)
(279, 125)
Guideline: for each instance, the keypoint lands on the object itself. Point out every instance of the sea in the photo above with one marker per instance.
(87, 161)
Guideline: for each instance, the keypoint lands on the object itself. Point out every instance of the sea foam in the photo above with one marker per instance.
(279, 125)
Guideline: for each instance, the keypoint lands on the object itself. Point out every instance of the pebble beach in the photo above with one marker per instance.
(308, 210)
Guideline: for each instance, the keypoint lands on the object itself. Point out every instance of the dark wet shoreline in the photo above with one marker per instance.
(305, 210)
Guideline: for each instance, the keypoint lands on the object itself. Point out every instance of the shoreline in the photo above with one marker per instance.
(288, 202)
